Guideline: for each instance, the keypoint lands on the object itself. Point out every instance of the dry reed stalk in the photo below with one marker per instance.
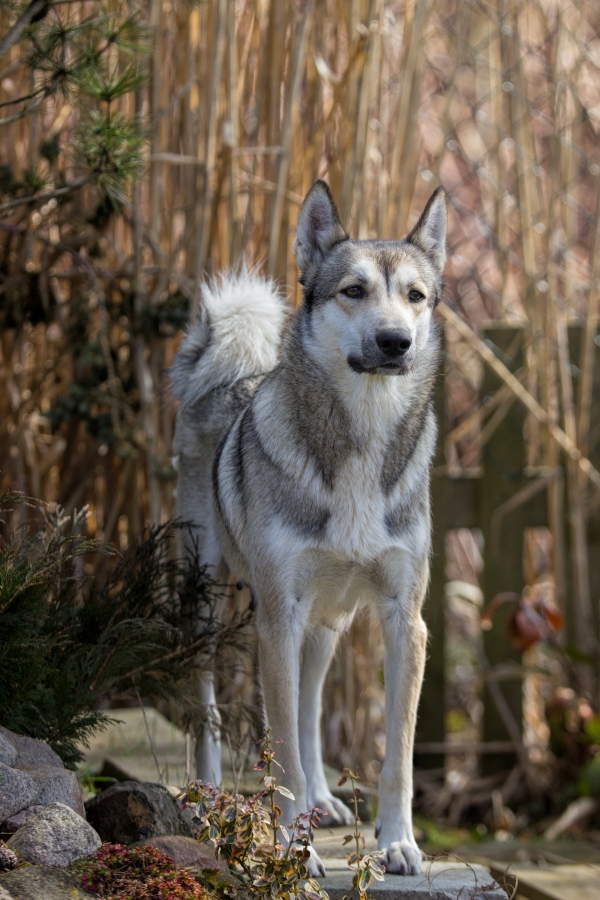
(233, 222)
(206, 217)
(287, 134)
(155, 186)
(406, 137)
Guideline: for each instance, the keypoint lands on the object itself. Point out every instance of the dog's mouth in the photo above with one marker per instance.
(400, 367)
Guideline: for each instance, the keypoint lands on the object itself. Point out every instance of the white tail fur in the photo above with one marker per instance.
(236, 335)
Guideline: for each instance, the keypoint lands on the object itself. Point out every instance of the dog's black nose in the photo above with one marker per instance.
(393, 343)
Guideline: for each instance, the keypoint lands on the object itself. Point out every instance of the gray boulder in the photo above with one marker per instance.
(31, 752)
(42, 883)
(129, 812)
(17, 791)
(13, 823)
(56, 786)
(8, 751)
(57, 836)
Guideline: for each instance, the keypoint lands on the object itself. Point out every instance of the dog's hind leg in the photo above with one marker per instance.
(318, 650)
(194, 506)
(405, 637)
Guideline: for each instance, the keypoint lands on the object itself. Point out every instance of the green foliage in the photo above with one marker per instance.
(67, 642)
(110, 146)
(94, 60)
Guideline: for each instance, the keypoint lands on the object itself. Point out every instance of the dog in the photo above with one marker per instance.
(306, 469)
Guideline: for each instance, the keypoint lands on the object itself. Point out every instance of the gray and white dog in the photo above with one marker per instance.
(306, 469)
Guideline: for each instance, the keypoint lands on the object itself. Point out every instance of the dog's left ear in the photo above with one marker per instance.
(319, 227)
(429, 234)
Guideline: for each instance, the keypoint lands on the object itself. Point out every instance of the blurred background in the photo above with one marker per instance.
(147, 144)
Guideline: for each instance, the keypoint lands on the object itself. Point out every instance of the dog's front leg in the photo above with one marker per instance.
(318, 650)
(405, 637)
(280, 635)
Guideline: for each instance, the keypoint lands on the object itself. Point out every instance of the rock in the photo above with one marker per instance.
(56, 836)
(8, 859)
(42, 883)
(13, 823)
(8, 751)
(185, 851)
(30, 751)
(17, 791)
(56, 786)
(129, 812)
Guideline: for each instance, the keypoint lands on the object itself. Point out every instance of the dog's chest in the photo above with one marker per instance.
(357, 506)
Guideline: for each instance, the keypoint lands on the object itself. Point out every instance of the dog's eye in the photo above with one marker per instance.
(355, 292)
(415, 296)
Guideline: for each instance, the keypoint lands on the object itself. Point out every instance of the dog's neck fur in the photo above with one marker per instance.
(374, 404)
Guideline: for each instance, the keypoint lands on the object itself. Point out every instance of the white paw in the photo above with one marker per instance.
(315, 867)
(401, 857)
(336, 811)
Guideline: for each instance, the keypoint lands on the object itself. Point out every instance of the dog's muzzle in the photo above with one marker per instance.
(388, 355)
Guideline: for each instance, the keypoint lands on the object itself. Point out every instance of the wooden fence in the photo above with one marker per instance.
(503, 497)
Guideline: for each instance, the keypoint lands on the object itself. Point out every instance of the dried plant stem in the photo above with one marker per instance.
(285, 158)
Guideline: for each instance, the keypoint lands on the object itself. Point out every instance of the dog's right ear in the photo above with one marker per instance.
(319, 227)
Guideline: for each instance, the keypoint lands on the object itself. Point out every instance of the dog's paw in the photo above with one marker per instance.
(315, 867)
(402, 858)
(336, 811)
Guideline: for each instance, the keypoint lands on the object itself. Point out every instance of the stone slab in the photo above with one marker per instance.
(563, 882)
(438, 881)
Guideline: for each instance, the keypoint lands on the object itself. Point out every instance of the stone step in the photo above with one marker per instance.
(438, 881)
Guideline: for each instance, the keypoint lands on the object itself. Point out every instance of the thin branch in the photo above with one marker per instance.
(39, 198)
(37, 9)
(161, 777)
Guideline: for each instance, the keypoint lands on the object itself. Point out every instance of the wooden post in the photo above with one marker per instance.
(593, 519)
(430, 721)
(503, 475)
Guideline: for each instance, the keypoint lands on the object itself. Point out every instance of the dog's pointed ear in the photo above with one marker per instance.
(319, 227)
(429, 234)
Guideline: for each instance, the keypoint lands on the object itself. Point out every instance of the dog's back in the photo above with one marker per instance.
(222, 359)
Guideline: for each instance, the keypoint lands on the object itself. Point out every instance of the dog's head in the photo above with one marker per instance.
(374, 298)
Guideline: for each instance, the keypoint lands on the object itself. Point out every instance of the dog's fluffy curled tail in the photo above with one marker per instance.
(236, 335)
